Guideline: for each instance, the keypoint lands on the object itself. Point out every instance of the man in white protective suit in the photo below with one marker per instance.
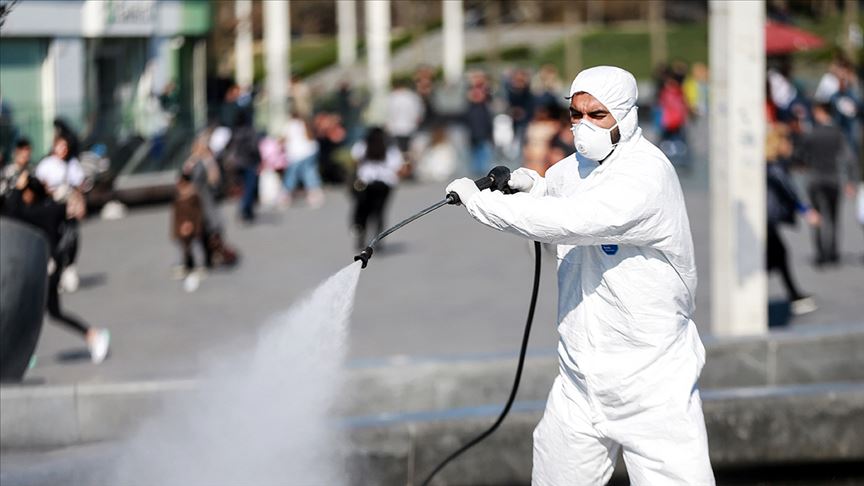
(629, 352)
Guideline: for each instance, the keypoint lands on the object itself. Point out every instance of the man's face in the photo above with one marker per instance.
(583, 106)
(22, 156)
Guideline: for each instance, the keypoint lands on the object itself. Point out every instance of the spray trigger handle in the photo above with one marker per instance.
(495, 180)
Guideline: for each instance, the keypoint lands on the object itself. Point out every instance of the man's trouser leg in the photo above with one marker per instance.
(667, 445)
(824, 198)
(567, 448)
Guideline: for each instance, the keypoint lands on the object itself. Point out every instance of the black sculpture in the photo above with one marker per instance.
(23, 282)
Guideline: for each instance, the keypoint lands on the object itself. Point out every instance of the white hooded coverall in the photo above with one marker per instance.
(629, 352)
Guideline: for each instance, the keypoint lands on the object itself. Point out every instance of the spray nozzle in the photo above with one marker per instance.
(364, 256)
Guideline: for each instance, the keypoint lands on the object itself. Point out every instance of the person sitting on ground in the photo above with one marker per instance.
(29, 202)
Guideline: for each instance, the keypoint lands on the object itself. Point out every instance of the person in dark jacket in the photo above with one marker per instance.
(783, 205)
(831, 166)
(243, 148)
(29, 202)
(202, 171)
(478, 119)
(187, 226)
(378, 165)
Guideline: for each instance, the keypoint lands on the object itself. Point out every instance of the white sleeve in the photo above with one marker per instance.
(44, 172)
(76, 173)
(41, 171)
(394, 159)
(622, 210)
(358, 151)
(539, 188)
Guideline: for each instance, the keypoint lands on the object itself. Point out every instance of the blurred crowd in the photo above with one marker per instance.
(49, 197)
(814, 157)
(433, 132)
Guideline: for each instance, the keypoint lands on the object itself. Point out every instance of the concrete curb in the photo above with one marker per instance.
(746, 428)
(56, 416)
(60, 415)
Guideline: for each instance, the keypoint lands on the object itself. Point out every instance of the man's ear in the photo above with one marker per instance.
(616, 135)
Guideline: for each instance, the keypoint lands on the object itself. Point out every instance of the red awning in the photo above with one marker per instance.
(784, 39)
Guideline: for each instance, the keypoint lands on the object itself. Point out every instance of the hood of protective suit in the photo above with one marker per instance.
(616, 89)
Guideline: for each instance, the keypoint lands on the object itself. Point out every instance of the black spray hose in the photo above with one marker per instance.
(519, 366)
(496, 180)
(366, 254)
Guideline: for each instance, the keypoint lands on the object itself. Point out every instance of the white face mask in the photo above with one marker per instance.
(592, 141)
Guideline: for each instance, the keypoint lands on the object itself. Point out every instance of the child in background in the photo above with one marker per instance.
(188, 225)
(273, 161)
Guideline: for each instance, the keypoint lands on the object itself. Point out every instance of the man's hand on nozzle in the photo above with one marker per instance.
(465, 188)
(522, 179)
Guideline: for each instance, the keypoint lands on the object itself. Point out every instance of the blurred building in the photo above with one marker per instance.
(112, 69)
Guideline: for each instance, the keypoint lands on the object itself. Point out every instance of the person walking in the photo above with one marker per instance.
(378, 166)
(29, 202)
(62, 175)
(832, 169)
(187, 227)
(630, 354)
(201, 171)
(846, 105)
(671, 114)
(478, 118)
(782, 205)
(246, 159)
(302, 151)
(404, 114)
(20, 163)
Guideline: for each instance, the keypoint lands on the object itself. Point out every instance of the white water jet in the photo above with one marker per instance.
(262, 416)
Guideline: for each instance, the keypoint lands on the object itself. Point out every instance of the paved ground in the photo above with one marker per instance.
(445, 285)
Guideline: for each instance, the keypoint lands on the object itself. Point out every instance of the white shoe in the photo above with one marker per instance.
(69, 279)
(804, 305)
(98, 345)
(191, 282)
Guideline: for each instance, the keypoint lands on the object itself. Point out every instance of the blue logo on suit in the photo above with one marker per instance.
(609, 249)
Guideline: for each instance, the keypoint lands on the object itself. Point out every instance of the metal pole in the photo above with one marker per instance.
(454, 41)
(739, 303)
(277, 34)
(852, 37)
(243, 63)
(346, 24)
(378, 57)
(493, 14)
(199, 84)
(572, 40)
(657, 27)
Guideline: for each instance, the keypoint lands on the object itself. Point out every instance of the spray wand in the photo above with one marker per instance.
(496, 180)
